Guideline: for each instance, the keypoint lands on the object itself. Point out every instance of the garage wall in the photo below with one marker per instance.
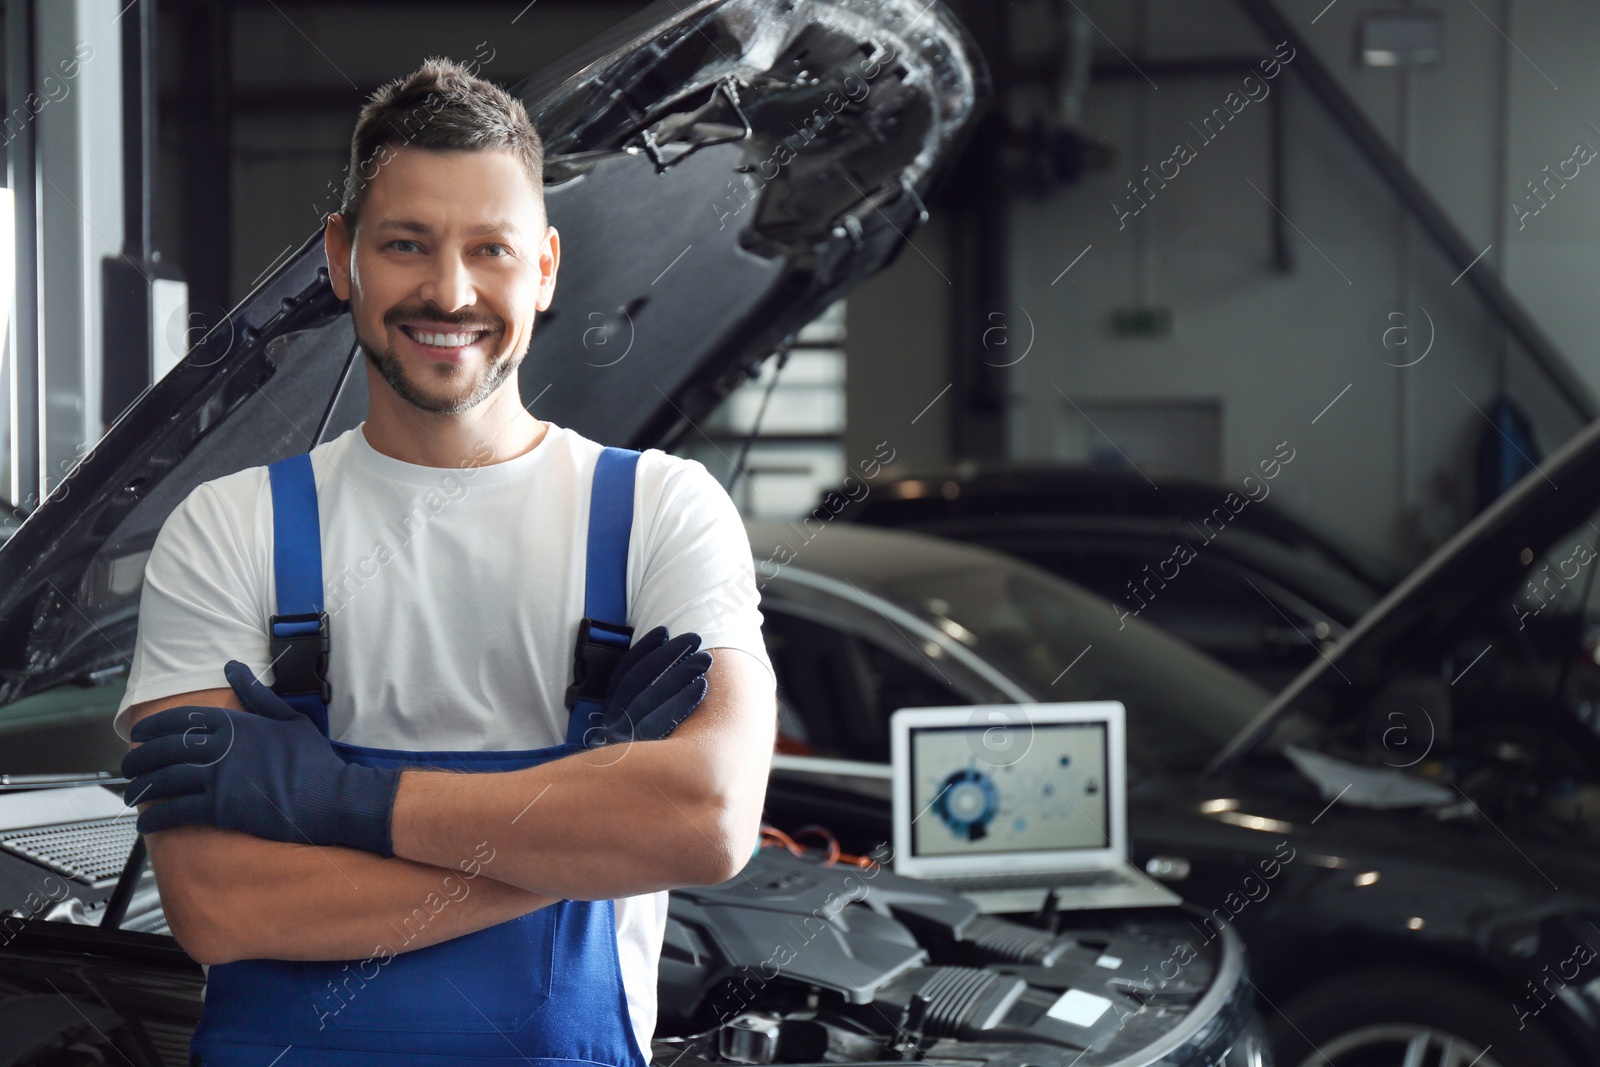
(1551, 262)
(1390, 461)
(897, 351)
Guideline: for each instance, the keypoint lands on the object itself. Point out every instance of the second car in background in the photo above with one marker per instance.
(1403, 892)
(1225, 569)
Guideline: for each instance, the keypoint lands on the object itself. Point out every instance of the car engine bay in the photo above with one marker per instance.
(798, 959)
(796, 962)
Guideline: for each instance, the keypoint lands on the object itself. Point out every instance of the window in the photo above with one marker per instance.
(836, 691)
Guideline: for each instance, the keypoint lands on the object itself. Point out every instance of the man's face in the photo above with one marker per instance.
(451, 259)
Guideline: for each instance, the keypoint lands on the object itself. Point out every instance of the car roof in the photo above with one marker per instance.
(1046, 487)
(1303, 572)
(871, 558)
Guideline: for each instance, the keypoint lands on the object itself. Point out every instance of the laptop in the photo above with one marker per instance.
(1003, 802)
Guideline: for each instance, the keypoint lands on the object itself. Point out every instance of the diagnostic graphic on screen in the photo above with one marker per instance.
(1052, 797)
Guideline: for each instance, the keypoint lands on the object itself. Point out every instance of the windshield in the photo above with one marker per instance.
(1064, 643)
(63, 730)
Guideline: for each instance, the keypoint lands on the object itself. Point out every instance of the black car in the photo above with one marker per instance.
(1223, 567)
(1426, 800)
(645, 131)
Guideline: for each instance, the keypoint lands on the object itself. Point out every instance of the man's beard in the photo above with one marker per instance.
(493, 375)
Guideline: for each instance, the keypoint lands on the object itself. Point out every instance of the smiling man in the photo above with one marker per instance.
(357, 897)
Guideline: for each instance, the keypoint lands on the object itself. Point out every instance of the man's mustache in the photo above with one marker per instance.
(435, 317)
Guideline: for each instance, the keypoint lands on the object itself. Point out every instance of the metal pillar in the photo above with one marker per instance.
(78, 57)
(145, 303)
(21, 368)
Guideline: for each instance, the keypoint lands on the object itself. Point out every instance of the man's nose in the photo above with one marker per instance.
(449, 284)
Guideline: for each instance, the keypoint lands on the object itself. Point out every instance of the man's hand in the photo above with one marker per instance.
(618, 821)
(266, 771)
(653, 688)
(230, 896)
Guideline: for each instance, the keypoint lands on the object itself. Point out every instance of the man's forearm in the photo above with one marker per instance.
(230, 896)
(617, 820)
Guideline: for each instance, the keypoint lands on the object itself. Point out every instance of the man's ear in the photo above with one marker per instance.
(549, 263)
(336, 239)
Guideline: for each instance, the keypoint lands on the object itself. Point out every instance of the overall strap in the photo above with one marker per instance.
(603, 633)
(299, 630)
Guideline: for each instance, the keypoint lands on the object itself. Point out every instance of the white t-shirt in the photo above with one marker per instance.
(454, 597)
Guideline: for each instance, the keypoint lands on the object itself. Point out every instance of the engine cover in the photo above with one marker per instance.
(794, 961)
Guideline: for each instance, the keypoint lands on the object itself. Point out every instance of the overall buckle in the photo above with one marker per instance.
(600, 647)
(300, 654)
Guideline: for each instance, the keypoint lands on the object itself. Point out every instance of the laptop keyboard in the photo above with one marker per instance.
(1036, 880)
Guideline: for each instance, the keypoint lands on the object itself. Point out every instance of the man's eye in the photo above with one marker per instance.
(410, 246)
(497, 250)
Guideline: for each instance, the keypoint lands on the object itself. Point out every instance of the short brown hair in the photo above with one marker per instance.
(442, 105)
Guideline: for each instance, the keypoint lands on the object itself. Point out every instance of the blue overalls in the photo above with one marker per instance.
(542, 989)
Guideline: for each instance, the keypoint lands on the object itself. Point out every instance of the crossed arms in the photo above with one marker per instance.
(616, 821)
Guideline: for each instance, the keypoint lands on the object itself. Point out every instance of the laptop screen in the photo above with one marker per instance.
(1052, 796)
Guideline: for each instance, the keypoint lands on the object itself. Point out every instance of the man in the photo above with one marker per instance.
(355, 906)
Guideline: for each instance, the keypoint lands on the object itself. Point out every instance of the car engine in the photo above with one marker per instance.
(793, 961)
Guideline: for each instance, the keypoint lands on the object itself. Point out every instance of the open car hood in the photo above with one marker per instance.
(721, 171)
(1484, 560)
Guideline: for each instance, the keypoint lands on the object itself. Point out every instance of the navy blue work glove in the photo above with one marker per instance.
(267, 771)
(653, 688)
